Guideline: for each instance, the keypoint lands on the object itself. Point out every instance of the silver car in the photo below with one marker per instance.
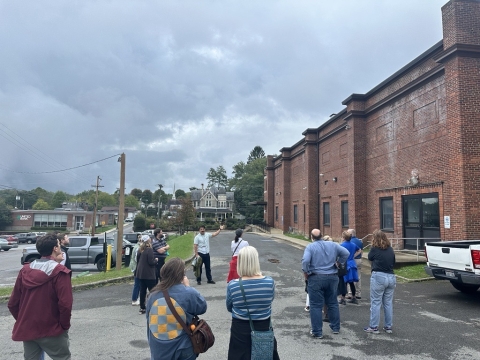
(5, 245)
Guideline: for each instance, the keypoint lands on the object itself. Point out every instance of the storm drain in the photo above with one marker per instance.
(275, 261)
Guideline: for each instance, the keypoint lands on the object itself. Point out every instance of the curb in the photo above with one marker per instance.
(100, 283)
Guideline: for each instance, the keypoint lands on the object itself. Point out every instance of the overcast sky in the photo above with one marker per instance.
(182, 86)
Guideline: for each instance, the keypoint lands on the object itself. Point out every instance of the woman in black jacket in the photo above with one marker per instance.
(145, 271)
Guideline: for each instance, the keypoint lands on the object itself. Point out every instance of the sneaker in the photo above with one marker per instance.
(352, 301)
(336, 331)
(358, 297)
(371, 330)
(142, 311)
(210, 282)
(315, 336)
(135, 302)
(388, 329)
(348, 297)
(307, 308)
(199, 283)
(342, 302)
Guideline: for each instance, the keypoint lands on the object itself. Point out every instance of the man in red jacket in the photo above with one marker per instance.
(41, 303)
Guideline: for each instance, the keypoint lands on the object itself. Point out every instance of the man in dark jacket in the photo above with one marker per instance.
(64, 242)
(41, 303)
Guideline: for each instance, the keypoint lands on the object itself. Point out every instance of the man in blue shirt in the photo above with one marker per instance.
(358, 261)
(319, 265)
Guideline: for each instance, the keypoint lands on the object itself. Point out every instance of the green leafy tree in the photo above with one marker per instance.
(256, 153)
(131, 200)
(160, 195)
(104, 199)
(217, 177)
(180, 194)
(249, 187)
(185, 215)
(147, 196)
(43, 194)
(58, 199)
(5, 215)
(139, 223)
(41, 205)
(137, 193)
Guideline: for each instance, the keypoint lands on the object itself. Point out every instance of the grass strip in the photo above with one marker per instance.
(412, 272)
(297, 236)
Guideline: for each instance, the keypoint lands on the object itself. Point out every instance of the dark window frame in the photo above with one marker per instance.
(295, 214)
(345, 220)
(276, 213)
(383, 227)
(326, 214)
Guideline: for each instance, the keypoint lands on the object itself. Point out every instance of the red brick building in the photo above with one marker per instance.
(404, 157)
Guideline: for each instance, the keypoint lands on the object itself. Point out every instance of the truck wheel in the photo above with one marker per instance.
(467, 289)
(29, 241)
(101, 264)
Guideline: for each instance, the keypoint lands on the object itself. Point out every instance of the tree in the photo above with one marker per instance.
(248, 187)
(58, 199)
(104, 199)
(180, 194)
(41, 205)
(217, 177)
(185, 215)
(137, 193)
(147, 196)
(131, 200)
(256, 153)
(5, 215)
(159, 194)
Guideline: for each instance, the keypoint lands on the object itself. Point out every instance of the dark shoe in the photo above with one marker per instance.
(315, 336)
(342, 302)
(336, 331)
(307, 308)
(371, 330)
(352, 301)
(358, 297)
(142, 311)
(388, 329)
(199, 283)
(210, 282)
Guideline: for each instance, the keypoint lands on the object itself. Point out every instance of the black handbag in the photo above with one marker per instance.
(262, 341)
(342, 269)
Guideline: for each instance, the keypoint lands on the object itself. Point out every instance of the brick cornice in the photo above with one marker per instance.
(355, 113)
(461, 50)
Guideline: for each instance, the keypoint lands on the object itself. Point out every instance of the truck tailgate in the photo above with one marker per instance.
(451, 257)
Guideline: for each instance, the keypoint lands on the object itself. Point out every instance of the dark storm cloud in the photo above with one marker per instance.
(182, 86)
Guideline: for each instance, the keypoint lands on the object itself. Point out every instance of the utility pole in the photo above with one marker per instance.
(121, 212)
(158, 206)
(94, 220)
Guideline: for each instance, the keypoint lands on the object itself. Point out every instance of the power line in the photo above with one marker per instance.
(57, 171)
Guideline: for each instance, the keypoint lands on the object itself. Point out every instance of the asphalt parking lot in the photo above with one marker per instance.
(431, 319)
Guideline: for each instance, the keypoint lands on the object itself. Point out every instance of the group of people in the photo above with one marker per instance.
(249, 294)
(321, 262)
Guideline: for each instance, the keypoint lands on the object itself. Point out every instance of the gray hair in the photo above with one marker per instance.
(248, 263)
(352, 232)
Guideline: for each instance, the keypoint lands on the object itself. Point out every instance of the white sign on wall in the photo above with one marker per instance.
(446, 222)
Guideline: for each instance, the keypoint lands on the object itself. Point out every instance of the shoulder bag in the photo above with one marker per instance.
(201, 336)
(237, 247)
(262, 341)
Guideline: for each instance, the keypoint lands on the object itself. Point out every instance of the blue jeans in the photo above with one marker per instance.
(322, 289)
(382, 286)
(136, 289)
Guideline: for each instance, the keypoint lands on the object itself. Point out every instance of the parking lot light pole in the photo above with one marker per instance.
(121, 212)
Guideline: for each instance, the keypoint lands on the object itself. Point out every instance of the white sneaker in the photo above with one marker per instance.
(135, 302)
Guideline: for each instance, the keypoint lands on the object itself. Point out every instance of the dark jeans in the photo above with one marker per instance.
(206, 262)
(158, 267)
(144, 285)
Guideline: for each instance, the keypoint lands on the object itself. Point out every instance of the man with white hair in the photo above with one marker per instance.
(358, 261)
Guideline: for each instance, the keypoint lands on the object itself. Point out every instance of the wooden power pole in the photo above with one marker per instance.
(121, 212)
(94, 220)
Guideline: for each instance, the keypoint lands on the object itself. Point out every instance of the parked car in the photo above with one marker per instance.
(455, 261)
(132, 237)
(9, 238)
(129, 219)
(5, 245)
(29, 238)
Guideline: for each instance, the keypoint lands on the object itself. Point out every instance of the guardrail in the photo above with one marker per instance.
(399, 245)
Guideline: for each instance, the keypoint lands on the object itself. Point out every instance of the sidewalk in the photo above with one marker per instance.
(400, 256)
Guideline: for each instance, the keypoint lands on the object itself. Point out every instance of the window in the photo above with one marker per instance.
(344, 213)
(295, 214)
(304, 214)
(276, 213)
(386, 213)
(77, 242)
(208, 203)
(50, 220)
(326, 213)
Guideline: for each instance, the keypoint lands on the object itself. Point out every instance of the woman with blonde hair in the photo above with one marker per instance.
(257, 305)
(382, 282)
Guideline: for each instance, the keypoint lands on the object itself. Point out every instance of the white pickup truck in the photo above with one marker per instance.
(456, 261)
